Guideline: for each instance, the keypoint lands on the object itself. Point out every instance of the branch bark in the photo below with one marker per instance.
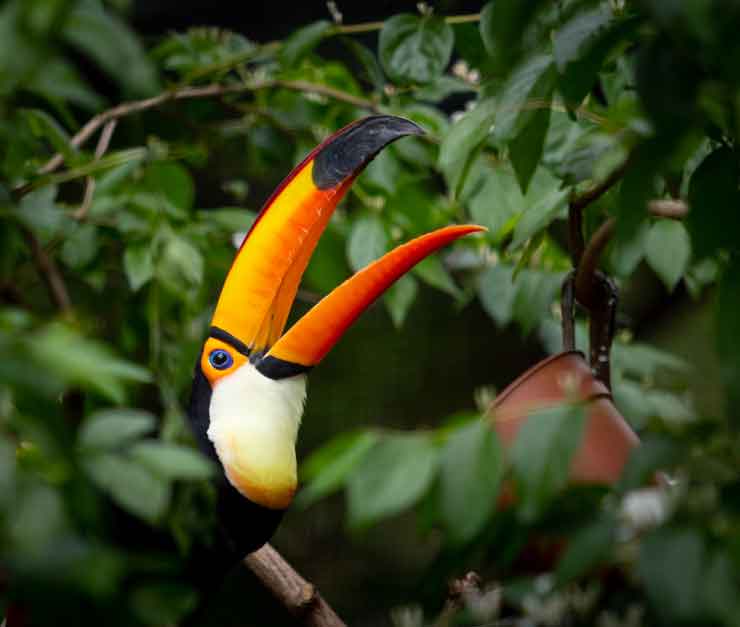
(49, 272)
(188, 93)
(297, 595)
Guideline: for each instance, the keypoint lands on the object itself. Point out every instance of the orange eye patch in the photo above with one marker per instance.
(219, 359)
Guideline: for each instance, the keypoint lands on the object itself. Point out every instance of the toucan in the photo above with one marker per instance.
(249, 385)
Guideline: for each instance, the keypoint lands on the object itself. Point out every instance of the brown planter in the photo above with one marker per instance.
(607, 439)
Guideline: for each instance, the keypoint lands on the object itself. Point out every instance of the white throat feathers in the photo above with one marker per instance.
(254, 423)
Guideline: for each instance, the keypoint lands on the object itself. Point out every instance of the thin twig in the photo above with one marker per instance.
(597, 191)
(49, 272)
(369, 27)
(103, 143)
(298, 596)
(668, 208)
(187, 93)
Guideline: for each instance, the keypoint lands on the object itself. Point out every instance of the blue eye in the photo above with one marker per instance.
(220, 359)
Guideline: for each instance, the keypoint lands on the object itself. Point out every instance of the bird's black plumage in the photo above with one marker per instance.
(243, 525)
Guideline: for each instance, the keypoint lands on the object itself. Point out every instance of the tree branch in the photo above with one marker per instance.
(298, 596)
(100, 149)
(187, 93)
(369, 27)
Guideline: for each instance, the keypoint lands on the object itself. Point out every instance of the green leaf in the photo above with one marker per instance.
(542, 453)
(132, 486)
(39, 211)
(654, 454)
(432, 272)
(415, 49)
(582, 45)
(81, 246)
(82, 361)
(367, 241)
(525, 150)
(472, 467)
(163, 603)
(399, 298)
(114, 428)
(393, 476)
(545, 202)
(668, 250)
(114, 47)
(44, 126)
(302, 42)
(527, 91)
(329, 467)
(496, 291)
(181, 265)
(172, 461)
(462, 140)
(368, 61)
(57, 80)
(138, 263)
(672, 564)
(503, 26)
(535, 292)
(498, 201)
(234, 220)
(714, 219)
(588, 547)
(173, 181)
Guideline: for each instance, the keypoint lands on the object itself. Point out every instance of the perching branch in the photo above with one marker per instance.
(298, 596)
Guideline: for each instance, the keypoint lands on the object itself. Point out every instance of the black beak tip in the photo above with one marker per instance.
(352, 149)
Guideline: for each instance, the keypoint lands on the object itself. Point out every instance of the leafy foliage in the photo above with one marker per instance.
(110, 264)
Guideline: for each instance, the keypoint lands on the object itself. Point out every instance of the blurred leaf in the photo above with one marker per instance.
(368, 61)
(714, 198)
(525, 150)
(58, 80)
(39, 211)
(432, 271)
(163, 603)
(535, 292)
(544, 201)
(462, 140)
(668, 250)
(113, 46)
(231, 220)
(181, 264)
(654, 454)
(399, 298)
(115, 428)
(392, 476)
(81, 246)
(502, 25)
(672, 564)
(85, 362)
(303, 41)
(582, 45)
(328, 468)
(173, 181)
(415, 49)
(542, 454)
(135, 488)
(498, 201)
(44, 126)
(138, 262)
(588, 547)
(472, 467)
(367, 241)
(497, 291)
(172, 461)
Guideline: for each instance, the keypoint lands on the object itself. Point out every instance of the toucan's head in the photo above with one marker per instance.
(256, 375)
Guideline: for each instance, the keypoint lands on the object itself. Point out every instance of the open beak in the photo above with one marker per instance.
(263, 280)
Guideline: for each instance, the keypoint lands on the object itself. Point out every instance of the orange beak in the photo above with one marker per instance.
(262, 283)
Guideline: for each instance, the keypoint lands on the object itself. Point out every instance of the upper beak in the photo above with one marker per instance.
(263, 280)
